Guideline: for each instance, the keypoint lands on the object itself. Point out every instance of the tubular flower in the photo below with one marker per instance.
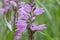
(21, 26)
(38, 11)
(27, 7)
(13, 3)
(23, 14)
(35, 27)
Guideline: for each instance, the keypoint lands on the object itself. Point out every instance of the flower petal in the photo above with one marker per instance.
(22, 4)
(21, 24)
(40, 27)
(21, 11)
(13, 3)
(27, 8)
(2, 10)
(23, 14)
(38, 11)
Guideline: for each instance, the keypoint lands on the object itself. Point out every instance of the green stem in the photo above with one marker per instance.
(14, 26)
(30, 32)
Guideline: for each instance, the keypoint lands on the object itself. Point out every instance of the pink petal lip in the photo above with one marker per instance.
(40, 27)
(38, 11)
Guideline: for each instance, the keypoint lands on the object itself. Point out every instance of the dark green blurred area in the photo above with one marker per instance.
(51, 17)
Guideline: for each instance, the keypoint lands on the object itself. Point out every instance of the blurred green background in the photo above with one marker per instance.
(51, 17)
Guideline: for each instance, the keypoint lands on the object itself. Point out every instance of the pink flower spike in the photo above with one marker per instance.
(40, 27)
(38, 11)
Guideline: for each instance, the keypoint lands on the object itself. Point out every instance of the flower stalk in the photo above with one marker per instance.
(30, 32)
(24, 15)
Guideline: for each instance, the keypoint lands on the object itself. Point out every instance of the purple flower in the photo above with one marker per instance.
(17, 37)
(22, 4)
(38, 11)
(40, 27)
(2, 10)
(6, 8)
(23, 14)
(21, 26)
(6, 2)
(27, 8)
(21, 11)
(21, 23)
(13, 3)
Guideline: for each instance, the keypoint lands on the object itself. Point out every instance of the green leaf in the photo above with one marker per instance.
(8, 25)
(9, 36)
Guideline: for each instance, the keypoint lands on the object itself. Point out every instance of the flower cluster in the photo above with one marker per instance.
(26, 16)
(7, 6)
